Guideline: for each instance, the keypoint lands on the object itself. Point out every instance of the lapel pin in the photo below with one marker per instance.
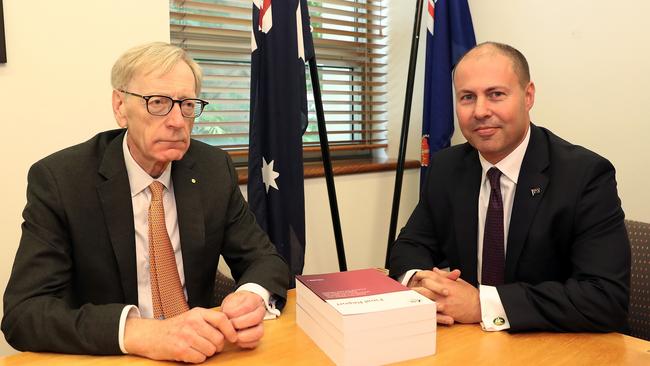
(193, 181)
(535, 191)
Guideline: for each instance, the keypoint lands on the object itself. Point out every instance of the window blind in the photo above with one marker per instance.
(349, 40)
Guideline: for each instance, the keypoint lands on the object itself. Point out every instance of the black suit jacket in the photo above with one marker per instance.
(568, 256)
(75, 268)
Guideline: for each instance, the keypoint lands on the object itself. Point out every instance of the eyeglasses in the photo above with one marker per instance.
(161, 105)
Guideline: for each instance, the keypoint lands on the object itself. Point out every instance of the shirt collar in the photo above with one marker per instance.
(138, 178)
(511, 164)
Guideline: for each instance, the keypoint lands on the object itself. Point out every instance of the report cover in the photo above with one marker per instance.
(361, 291)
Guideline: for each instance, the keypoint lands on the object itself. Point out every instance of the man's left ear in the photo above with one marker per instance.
(529, 95)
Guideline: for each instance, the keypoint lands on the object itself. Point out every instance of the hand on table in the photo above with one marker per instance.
(189, 337)
(246, 312)
(456, 299)
(198, 333)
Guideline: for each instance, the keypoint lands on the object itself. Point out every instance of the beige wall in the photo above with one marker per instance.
(589, 61)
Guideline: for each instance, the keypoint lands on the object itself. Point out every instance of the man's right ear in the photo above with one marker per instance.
(119, 109)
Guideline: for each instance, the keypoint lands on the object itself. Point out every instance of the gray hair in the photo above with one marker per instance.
(158, 56)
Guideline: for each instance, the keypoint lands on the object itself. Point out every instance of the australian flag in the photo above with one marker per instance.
(449, 35)
(281, 43)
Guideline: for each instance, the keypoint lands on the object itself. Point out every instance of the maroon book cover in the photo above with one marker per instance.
(357, 283)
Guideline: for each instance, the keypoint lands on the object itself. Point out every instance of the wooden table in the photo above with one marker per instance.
(286, 344)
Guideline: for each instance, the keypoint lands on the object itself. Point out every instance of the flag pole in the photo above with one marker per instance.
(327, 164)
(405, 128)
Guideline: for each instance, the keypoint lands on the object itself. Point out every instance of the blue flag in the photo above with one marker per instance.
(449, 35)
(281, 43)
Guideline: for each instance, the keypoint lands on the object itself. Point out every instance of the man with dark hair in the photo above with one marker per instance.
(123, 233)
(530, 225)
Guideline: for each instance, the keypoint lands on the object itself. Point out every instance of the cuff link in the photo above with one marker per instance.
(499, 321)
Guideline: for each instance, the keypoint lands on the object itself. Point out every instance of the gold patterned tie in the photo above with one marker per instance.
(166, 290)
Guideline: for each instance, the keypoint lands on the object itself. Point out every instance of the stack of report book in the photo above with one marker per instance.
(364, 317)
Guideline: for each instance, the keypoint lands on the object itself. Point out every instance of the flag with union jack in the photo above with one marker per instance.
(449, 35)
(281, 43)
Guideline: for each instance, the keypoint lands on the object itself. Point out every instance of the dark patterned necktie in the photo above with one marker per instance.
(493, 253)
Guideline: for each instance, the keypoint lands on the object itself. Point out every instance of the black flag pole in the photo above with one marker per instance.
(405, 129)
(327, 164)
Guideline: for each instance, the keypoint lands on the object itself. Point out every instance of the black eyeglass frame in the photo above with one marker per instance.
(174, 101)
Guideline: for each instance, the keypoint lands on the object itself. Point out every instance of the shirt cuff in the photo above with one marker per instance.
(129, 311)
(269, 301)
(493, 315)
(406, 277)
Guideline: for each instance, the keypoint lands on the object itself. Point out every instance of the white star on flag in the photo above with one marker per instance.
(268, 175)
(301, 42)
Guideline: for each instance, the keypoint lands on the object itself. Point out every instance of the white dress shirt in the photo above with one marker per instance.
(139, 182)
(492, 310)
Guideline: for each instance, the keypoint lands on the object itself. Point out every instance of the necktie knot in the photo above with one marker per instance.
(494, 175)
(156, 189)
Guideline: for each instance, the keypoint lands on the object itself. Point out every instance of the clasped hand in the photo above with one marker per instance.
(456, 300)
(198, 333)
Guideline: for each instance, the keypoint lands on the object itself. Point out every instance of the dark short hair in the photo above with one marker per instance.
(519, 63)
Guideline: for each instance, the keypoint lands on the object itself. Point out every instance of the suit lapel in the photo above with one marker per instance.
(187, 190)
(468, 179)
(531, 187)
(115, 196)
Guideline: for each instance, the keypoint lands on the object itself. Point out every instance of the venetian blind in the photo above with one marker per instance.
(349, 39)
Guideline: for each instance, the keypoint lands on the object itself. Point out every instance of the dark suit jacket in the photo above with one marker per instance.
(568, 256)
(75, 268)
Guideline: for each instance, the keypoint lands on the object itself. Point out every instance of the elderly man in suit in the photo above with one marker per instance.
(122, 233)
(530, 225)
